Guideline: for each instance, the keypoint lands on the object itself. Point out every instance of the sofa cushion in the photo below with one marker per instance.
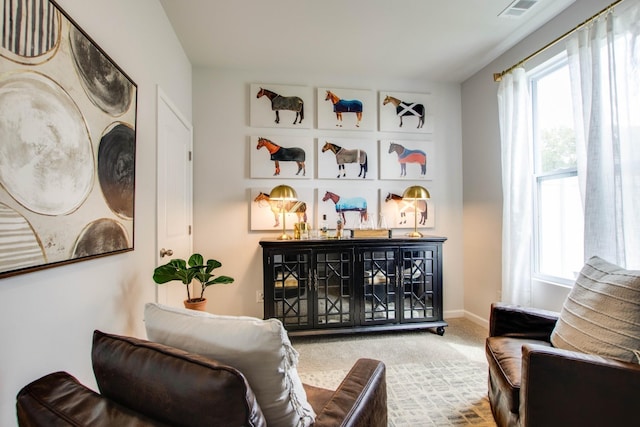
(169, 385)
(601, 315)
(260, 349)
(504, 355)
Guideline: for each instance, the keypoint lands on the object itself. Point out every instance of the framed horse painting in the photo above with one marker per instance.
(399, 213)
(406, 112)
(281, 157)
(281, 106)
(67, 154)
(407, 160)
(349, 109)
(356, 206)
(346, 159)
(266, 214)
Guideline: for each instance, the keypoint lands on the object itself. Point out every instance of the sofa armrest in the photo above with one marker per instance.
(58, 399)
(561, 388)
(521, 322)
(360, 400)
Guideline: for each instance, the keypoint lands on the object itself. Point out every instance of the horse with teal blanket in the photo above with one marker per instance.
(357, 204)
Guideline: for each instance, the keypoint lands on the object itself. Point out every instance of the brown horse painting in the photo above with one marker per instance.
(344, 155)
(283, 154)
(404, 205)
(297, 207)
(345, 106)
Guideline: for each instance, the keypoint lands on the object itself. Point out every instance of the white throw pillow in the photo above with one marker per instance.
(601, 315)
(260, 349)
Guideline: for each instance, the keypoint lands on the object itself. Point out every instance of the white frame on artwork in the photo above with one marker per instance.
(411, 105)
(352, 149)
(261, 165)
(327, 118)
(391, 165)
(262, 114)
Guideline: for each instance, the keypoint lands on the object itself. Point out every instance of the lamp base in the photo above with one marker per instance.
(415, 234)
(285, 237)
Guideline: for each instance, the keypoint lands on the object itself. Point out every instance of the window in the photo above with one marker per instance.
(558, 214)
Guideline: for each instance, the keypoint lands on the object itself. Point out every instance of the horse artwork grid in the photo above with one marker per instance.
(409, 156)
(279, 102)
(344, 155)
(342, 205)
(284, 154)
(297, 207)
(345, 106)
(404, 109)
(404, 205)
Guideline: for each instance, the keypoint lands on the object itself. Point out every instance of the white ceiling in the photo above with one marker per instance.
(443, 40)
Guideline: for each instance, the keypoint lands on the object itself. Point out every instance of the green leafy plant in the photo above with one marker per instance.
(179, 269)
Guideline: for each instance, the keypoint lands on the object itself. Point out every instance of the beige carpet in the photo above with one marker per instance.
(432, 380)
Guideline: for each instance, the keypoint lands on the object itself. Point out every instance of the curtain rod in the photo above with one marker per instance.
(498, 76)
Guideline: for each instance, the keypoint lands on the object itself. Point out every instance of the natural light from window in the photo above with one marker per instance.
(558, 228)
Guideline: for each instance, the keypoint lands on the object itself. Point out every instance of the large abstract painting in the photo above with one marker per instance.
(67, 142)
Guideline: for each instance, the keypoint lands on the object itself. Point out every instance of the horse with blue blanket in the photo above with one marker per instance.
(283, 154)
(404, 109)
(344, 155)
(409, 156)
(357, 204)
(344, 106)
(279, 102)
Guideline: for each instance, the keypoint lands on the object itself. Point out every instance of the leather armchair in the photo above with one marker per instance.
(143, 383)
(533, 384)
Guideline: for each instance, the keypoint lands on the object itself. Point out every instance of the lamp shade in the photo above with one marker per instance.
(416, 192)
(283, 192)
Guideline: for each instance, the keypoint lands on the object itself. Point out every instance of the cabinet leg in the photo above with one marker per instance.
(440, 330)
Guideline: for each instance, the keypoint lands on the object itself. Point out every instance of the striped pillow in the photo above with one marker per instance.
(602, 313)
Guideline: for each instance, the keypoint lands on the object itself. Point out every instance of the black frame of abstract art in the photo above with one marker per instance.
(67, 143)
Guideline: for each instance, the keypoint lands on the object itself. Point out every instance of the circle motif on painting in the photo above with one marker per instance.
(46, 157)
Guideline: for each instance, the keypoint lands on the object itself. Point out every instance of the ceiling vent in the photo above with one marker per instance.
(517, 8)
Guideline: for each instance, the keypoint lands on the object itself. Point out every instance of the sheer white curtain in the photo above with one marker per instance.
(604, 61)
(517, 167)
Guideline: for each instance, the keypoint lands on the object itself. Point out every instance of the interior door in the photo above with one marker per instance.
(175, 193)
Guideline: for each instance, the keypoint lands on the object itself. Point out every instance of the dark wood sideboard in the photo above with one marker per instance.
(354, 285)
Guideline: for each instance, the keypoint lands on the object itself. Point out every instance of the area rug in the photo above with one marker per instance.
(445, 393)
(431, 380)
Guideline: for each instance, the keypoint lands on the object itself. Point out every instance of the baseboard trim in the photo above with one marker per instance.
(467, 315)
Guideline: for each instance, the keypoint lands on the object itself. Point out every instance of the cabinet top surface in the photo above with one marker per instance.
(352, 241)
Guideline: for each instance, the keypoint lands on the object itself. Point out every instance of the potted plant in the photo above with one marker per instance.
(179, 269)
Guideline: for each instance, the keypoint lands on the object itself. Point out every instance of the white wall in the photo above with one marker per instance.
(47, 318)
(221, 177)
(482, 170)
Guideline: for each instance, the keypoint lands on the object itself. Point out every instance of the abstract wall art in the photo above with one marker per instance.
(67, 142)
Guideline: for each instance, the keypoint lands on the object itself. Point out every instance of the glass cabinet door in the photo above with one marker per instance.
(417, 278)
(380, 286)
(291, 300)
(332, 278)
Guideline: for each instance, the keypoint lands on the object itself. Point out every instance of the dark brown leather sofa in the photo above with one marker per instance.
(533, 384)
(148, 384)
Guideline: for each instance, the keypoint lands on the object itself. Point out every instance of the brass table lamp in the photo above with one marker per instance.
(284, 195)
(415, 193)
